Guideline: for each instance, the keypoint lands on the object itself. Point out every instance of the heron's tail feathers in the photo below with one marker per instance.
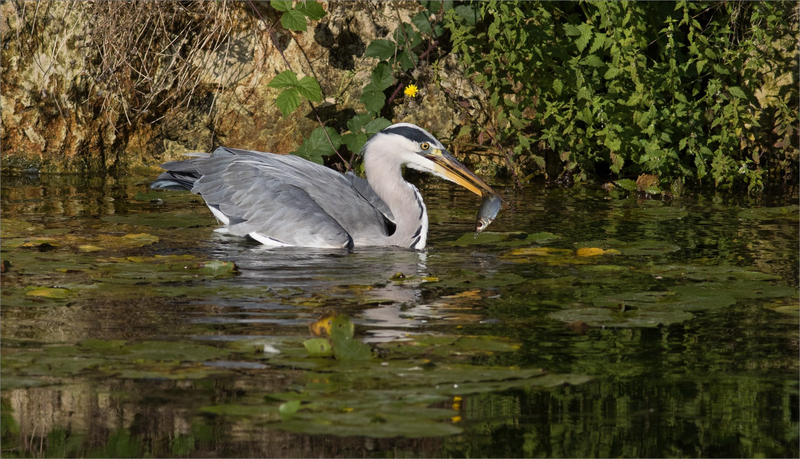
(180, 175)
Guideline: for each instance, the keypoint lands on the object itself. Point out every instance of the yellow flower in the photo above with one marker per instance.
(411, 90)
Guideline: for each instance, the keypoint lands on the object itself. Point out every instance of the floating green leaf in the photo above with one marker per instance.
(288, 409)
(635, 318)
(318, 347)
(510, 239)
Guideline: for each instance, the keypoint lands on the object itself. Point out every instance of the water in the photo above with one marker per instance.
(582, 323)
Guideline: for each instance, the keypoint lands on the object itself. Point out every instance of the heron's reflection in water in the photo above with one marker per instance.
(386, 281)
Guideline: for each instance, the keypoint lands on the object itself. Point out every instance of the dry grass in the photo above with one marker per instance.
(139, 59)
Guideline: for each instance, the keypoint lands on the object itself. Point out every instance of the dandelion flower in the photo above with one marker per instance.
(411, 90)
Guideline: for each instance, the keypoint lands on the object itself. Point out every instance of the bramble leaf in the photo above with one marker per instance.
(288, 101)
(286, 79)
(281, 5)
(308, 87)
(382, 49)
(317, 145)
(373, 98)
(312, 9)
(294, 20)
(382, 76)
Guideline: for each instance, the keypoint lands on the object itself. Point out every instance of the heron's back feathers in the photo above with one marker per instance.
(282, 199)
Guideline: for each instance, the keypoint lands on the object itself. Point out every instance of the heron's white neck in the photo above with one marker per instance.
(384, 174)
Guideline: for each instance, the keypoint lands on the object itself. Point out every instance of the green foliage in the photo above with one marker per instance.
(702, 91)
(317, 145)
(295, 18)
(396, 58)
(294, 91)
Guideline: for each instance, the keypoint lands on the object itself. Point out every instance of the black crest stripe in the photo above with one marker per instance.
(414, 134)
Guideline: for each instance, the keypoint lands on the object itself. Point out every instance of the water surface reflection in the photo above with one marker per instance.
(720, 380)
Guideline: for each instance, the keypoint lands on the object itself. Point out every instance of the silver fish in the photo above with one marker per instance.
(489, 208)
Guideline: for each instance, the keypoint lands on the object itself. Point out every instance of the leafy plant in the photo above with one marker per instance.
(395, 57)
(294, 91)
(294, 18)
(701, 91)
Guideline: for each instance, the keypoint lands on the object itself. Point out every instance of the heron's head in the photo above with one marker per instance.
(412, 146)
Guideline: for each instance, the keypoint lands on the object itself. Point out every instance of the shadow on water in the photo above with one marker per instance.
(582, 323)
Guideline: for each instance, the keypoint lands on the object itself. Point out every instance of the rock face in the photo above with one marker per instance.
(106, 85)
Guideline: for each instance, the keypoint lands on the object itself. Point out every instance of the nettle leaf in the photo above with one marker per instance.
(571, 31)
(585, 35)
(312, 9)
(593, 60)
(737, 92)
(382, 76)
(599, 40)
(317, 145)
(558, 86)
(613, 143)
(626, 184)
(309, 88)
(287, 79)
(469, 13)
(373, 98)
(288, 101)
(281, 5)
(611, 72)
(382, 49)
(294, 20)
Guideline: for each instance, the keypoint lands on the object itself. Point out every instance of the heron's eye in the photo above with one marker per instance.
(424, 145)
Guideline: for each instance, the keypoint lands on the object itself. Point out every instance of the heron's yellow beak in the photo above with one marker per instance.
(451, 169)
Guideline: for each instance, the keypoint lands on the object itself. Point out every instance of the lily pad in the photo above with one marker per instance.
(451, 345)
(661, 212)
(318, 347)
(504, 239)
(662, 301)
(11, 228)
(472, 280)
(635, 318)
(771, 213)
(740, 289)
(710, 273)
(639, 248)
(48, 292)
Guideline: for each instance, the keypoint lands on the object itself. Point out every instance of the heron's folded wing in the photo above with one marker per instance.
(257, 200)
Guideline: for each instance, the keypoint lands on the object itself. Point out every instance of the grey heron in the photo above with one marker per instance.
(285, 200)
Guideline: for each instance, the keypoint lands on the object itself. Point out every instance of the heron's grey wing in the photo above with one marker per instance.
(256, 203)
(287, 199)
(363, 187)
